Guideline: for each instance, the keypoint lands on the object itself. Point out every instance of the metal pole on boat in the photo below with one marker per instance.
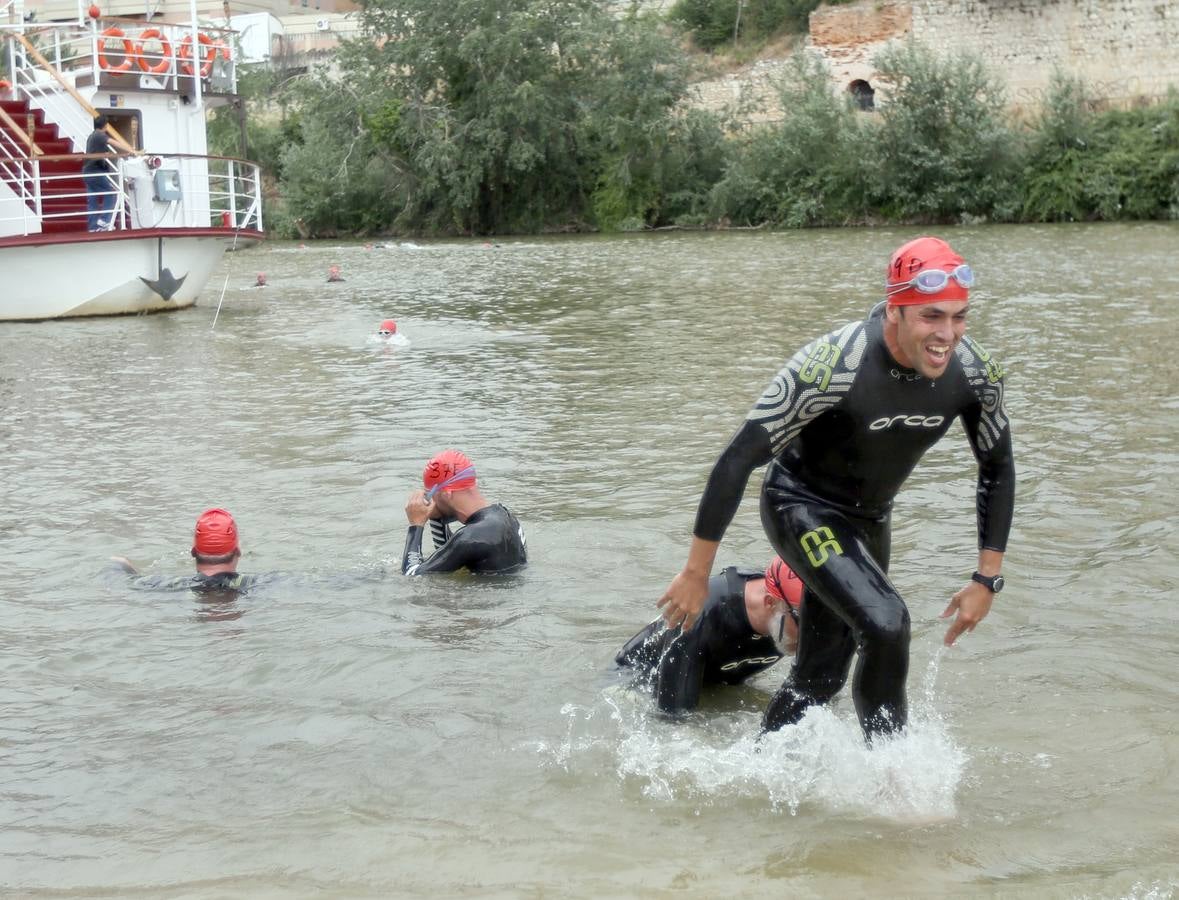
(196, 58)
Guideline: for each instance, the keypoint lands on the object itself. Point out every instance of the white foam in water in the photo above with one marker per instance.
(822, 761)
(389, 340)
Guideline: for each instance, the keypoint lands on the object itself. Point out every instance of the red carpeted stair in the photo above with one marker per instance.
(63, 192)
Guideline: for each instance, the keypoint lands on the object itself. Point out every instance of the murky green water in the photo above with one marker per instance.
(346, 732)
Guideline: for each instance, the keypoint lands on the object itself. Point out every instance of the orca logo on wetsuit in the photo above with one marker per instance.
(898, 374)
(911, 421)
(752, 661)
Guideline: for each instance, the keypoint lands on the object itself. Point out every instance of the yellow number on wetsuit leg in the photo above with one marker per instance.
(817, 543)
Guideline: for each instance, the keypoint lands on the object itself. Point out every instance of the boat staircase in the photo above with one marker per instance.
(41, 168)
(163, 177)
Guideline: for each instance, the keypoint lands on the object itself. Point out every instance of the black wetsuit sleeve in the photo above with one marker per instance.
(995, 499)
(989, 430)
(748, 449)
(642, 651)
(413, 549)
(681, 673)
(455, 554)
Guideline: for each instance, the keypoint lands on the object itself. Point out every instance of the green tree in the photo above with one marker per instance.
(344, 173)
(516, 115)
(718, 23)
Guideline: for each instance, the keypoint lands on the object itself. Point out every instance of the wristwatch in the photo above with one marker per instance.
(993, 583)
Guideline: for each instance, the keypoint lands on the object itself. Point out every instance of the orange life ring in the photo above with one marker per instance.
(186, 54)
(165, 51)
(128, 51)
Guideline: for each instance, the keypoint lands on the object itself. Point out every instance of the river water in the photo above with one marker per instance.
(346, 732)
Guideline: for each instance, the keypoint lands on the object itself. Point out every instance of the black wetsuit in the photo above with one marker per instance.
(222, 581)
(491, 542)
(842, 426)
(721, 648)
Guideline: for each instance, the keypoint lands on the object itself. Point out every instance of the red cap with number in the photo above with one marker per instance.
(450, 470)
(782, 583)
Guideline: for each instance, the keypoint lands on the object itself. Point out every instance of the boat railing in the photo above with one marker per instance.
(45, 61)
(164, 191)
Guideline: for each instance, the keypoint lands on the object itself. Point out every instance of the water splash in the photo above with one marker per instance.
(821, 761)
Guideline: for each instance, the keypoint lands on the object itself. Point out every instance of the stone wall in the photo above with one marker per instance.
(1121, 48)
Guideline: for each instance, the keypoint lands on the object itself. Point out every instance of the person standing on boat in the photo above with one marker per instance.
(842, 425)
(100, 188)
(748, 623)
(216, 552)
(491, 541)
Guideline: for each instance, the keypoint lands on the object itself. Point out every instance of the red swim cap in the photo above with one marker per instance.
(216, 533)
(388, 327)
(441, 471)
(917, 256)
(782, 583)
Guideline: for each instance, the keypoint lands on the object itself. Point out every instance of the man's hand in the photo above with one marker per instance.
(418, 509)
(972, 604)
(125, 564)
(684, 599)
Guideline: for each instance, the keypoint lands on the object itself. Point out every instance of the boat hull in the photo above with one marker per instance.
(107, 273)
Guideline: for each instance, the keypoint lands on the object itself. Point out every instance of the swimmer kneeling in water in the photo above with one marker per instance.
(491, 541)
(748, 623)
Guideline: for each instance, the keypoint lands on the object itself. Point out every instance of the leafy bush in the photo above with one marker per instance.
(803, 170)
(1120, 164)
(943, 148)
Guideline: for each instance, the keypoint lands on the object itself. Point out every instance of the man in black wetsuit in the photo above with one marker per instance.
(842, 426)
(216, 552)
(491, 541)
(748, 623)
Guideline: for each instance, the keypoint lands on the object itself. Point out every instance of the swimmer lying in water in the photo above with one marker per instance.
(748, 623)
(215, 551)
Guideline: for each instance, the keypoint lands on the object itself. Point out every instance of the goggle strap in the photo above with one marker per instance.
(468, 472)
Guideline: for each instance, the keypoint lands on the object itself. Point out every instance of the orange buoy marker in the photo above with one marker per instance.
(94, 11)
(334, 274)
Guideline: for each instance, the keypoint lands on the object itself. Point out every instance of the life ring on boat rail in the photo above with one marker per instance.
(206, 64)
(128, 51)
(165, 51)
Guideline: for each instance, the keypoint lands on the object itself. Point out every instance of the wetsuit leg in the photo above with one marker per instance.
(835, 558)
(826, 646)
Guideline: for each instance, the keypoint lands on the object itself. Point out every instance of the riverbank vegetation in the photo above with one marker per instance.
(526, 116)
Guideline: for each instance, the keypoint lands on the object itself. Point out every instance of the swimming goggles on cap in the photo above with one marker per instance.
(468, 472)
(933, 281)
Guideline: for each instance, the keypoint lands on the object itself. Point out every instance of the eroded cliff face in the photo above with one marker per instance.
(1121, 48)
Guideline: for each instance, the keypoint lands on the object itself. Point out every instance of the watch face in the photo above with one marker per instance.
(997, 583)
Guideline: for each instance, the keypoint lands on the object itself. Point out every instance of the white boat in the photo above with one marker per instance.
(176, 209)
